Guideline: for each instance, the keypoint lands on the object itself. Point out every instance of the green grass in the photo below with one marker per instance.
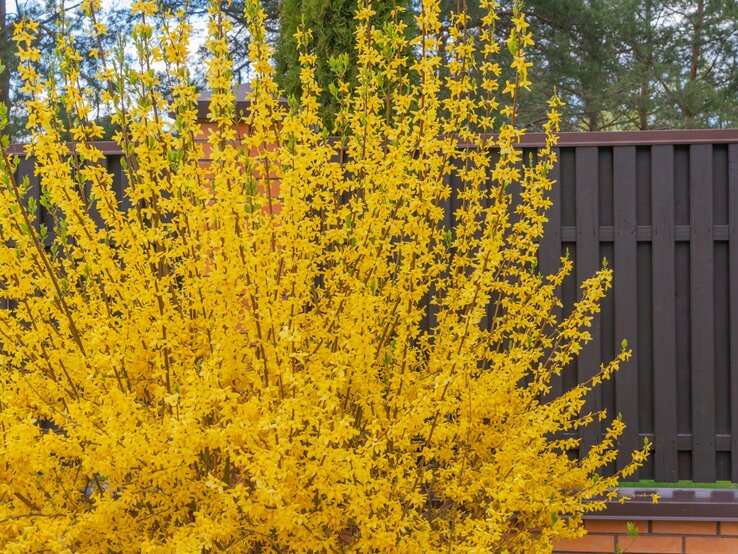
(648, 484)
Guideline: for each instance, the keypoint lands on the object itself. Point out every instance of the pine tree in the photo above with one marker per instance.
(332, 27)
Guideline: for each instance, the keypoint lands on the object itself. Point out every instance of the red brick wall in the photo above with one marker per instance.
(654, 537)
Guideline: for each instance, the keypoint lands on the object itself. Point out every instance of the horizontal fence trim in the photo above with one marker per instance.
(721, 441)
(674, 504)
(629, 138)
(682, 442)
(640, 138)
(537, 140)
(644, 233)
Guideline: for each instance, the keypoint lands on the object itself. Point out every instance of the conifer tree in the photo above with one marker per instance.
(333, 28)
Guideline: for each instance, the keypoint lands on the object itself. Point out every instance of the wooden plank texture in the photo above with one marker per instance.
(733, 296)
(664, 329)
(587, 263)
(701, 316)
(549, 253)
(625, 283)
(24, 174)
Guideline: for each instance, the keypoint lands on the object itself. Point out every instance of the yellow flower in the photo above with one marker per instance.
(520, 23)
(239, 354)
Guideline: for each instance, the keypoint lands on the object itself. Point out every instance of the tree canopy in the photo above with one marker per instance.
(617, 64)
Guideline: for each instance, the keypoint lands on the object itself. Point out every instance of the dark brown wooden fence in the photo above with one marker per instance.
(662, 207)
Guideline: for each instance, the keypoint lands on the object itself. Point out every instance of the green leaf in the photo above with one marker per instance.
(632, 529)
(3, 116)
(32, 206)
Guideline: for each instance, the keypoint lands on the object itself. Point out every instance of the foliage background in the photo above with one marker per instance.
(618, 64)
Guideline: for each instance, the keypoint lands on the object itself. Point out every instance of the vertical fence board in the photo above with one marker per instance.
(120, 181)
(721, 308)
(733, 295)
(664, 331)
(644, 300)
(605, 188)
(702, 323)
(549, 254)
(626, 281)
(92, 207)
(25, 170)
(588, 262)
(683, 346)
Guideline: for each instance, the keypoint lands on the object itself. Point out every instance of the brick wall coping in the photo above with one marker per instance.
(673, 504)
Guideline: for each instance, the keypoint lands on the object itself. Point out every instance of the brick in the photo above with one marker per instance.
(650, 544)
(591, 544)
(684, 527)
(729, 528)
(711, 545)
(609, 526)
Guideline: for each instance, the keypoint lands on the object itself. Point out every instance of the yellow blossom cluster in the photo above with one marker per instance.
(238, 358)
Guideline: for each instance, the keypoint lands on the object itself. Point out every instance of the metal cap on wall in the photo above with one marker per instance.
(242, 104)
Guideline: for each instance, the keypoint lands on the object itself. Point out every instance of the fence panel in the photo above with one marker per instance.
(674, 238)
(663, 207)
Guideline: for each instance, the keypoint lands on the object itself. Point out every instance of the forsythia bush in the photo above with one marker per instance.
(238, 362)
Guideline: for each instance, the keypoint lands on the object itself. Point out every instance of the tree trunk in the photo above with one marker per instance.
(694, 65)
(644, 94)
(699, 23)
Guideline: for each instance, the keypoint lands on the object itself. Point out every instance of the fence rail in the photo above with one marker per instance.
(662, 207)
